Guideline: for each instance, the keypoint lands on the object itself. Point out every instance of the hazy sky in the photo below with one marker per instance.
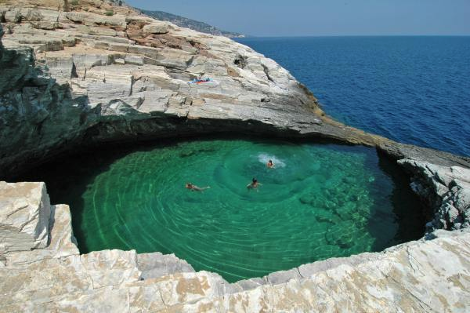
(324, 17)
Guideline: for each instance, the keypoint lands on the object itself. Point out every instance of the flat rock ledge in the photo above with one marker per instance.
(422, 276)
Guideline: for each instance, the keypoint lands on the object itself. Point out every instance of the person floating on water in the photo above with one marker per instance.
(196, 188)
(254, 184)
(270, 164)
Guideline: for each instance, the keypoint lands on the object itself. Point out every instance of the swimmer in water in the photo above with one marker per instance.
(196, 188)
(270, 164)
(254, 184)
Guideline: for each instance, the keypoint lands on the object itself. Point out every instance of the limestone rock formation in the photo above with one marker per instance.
(154, 265)
(421, 276)
(97, 72)
(446, 188)
(79, 77)
(24, 216)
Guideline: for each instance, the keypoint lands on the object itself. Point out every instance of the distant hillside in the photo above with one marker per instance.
(192, 24)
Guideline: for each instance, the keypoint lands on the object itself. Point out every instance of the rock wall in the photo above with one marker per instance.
(422, 276)
(447, 190)
(24, 216)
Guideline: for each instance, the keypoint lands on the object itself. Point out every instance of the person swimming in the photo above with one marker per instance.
(254, 184)
(196, 188)
(270, 164)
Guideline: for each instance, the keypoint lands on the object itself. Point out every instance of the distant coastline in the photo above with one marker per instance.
(349, 36)
(191, 24)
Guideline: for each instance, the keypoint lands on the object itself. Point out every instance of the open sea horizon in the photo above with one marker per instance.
(411, 89)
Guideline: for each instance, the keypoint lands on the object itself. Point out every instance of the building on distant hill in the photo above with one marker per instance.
(191, 24)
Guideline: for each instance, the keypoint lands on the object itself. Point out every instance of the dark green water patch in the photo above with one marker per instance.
(319, 201)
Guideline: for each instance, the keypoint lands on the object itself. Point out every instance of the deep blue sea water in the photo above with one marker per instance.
(410, 89)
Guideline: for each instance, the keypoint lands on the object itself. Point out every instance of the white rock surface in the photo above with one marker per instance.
(24, 216)
(448, 190)
(156, 28)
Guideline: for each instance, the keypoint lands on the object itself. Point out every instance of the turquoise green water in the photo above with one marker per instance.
(319, 201)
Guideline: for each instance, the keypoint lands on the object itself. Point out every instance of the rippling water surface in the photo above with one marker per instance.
(318, 202)
(411, 89)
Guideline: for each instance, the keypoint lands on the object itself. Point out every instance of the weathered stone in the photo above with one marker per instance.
(101, 31)
(47, 25)
(134, 60)
(13, 16)
(61, 68)
(110, 267)
(446, 188)
(62, 243)
(69, 41)
(48, 44)
(154, 265)
(146, 51)
(282, 276)
(24, 216)
(97, 19)
(139, 19)
(156, 28)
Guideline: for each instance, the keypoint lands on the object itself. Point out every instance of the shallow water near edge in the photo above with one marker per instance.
(319, 201)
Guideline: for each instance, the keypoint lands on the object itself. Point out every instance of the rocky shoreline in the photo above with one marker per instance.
(79, 78)
(423, 276)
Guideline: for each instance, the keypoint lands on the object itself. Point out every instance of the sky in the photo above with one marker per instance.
(323, 17)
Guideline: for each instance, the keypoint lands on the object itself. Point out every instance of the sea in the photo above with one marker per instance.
(412, 89)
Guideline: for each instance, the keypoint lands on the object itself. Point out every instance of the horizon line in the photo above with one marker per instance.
(304, 36)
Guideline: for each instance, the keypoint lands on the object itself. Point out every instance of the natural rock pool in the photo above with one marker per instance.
(320, 201)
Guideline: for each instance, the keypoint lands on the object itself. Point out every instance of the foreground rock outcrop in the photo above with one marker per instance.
(422, 276)
(24, 216)
(79, 75)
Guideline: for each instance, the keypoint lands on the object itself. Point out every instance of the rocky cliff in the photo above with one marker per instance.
(82, 76)
(91, 72)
